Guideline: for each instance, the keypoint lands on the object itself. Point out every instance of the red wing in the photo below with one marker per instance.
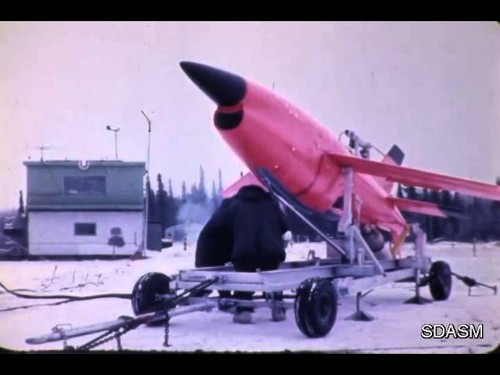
(415, 177)
(426, 208)
(248, 179)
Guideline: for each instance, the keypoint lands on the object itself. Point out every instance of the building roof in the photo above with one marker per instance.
(79, 185)
(76, 163)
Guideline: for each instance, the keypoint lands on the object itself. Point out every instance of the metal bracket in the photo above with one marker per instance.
(346, 219)
(311, 225)
(360, 315)
(60, 329)
(420, 241)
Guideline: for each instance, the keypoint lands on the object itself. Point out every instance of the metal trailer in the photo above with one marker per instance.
(314, 285)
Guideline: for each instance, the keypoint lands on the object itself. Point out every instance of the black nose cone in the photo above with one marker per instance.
(224, 88)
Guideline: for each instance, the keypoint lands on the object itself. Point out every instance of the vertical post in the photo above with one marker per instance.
(420, 241)
(146, 211)
(116, 144)
(420, 266)
(116, 138)
(346, 219)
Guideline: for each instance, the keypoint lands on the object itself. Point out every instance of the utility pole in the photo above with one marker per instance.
(116, 139)
(146, 211)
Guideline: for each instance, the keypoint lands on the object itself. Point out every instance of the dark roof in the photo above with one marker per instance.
(102, 163)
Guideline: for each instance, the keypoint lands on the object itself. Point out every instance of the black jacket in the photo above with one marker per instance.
(215, 243)
(258, 225)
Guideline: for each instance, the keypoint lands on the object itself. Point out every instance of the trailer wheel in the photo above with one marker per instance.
(440, 280)
(316, 307)
(300, 309)
(146, 289)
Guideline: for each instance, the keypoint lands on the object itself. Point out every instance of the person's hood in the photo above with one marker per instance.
(252, 192)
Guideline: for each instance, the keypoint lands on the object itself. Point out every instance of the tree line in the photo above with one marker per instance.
(192, 206)
(195, 205)
(472, 218)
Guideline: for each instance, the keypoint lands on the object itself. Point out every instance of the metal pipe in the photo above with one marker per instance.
(312, 226)
(146, 214)
(208, 305)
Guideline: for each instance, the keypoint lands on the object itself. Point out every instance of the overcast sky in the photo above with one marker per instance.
(431, 87)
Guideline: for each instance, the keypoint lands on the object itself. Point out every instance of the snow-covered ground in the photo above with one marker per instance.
(396, 329)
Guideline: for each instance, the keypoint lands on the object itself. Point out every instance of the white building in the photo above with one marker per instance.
(92, 208)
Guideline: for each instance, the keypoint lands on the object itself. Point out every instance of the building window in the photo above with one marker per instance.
(85, 229)
(87, 185)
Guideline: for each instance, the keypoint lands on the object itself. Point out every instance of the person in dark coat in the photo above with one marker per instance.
(258, 225)
(247, 230)
(258, 228)
(215, 242)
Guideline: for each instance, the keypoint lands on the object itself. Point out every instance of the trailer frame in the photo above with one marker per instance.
(358, 269)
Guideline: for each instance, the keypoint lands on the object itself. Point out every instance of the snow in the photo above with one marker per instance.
(396, 328)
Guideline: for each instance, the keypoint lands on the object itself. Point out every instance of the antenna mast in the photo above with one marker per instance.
(42, 148)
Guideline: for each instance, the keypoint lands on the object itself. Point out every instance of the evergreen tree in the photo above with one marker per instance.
(466, 225)
(446, 198)
(426, 219)
(150, 196)
(446, 223)
(194, 194)
(425, 195)
(412, 193)
(485, 222)
(161, 198)
(171, 209)
(20, 210)
(400, 191)
(170, 190)
(476, 218)
(456, 224)
(435, 222)
(183, 192)
(202, 193)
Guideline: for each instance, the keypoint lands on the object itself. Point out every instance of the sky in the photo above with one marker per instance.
(431, 87)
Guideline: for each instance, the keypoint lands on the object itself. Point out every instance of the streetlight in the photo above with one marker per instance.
(146, 213)
(116, 139)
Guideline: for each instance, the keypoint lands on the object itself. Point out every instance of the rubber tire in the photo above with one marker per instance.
(300, 307)
(316, 307)
(145, 291)
(440, 280)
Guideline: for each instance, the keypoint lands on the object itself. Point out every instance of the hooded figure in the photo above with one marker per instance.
(248, 230)
(215, 242)
(258, 226)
